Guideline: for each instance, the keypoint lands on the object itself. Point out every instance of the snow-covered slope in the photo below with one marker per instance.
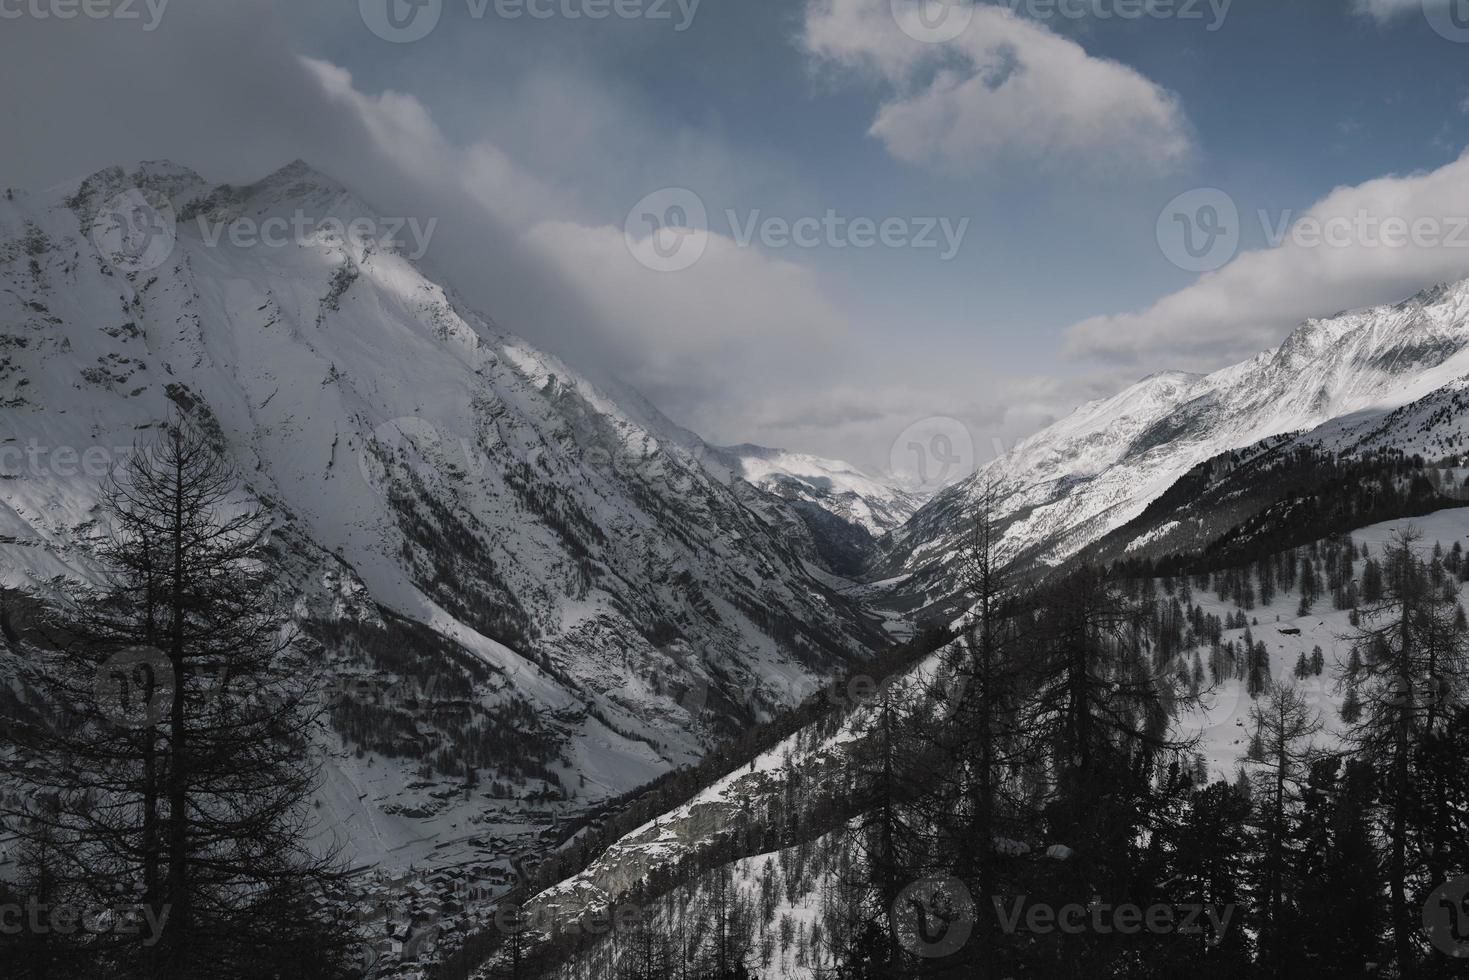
(1095, 470)
(1435, 426)
(453, 506)
(834, 486)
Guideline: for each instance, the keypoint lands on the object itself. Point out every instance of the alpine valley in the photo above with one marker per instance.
(575, 654)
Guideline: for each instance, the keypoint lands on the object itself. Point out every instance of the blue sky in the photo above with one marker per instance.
(1287, 99)
(1061, 159)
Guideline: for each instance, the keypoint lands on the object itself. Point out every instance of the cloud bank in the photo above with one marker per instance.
(1004, 90)
(1378, 242)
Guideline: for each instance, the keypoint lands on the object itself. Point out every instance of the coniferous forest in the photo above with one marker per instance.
(1030, 807)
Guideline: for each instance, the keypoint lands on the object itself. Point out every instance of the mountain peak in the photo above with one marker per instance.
(297, 181)
(164, 171)
(88, 196)
(300, 174)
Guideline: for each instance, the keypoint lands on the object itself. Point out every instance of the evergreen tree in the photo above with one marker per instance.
(176, 765)
(1339, 924)
(1407, 681)
(1282, 731)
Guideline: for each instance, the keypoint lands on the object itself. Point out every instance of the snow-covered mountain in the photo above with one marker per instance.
(840, 488)
(1097, 469)
(543, 581)
(844, 509)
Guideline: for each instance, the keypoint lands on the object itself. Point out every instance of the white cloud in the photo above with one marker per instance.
(735, 314)
(404, 131)
(1005, 89)
(742, 346)
(1252, 302)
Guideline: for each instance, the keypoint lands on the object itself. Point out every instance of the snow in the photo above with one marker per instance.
(1223, 722)
(877, 505)
(360, 417)
(1093, 471)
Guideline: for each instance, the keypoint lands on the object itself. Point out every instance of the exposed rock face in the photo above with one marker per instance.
(534, 577)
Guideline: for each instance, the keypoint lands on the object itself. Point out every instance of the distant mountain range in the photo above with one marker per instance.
(1091, 473)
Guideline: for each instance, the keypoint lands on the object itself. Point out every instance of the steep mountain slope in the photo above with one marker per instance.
(1092, 472)
(1294, 488)
(553, 588)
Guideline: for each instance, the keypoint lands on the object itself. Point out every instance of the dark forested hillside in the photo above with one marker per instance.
(1153, 765)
